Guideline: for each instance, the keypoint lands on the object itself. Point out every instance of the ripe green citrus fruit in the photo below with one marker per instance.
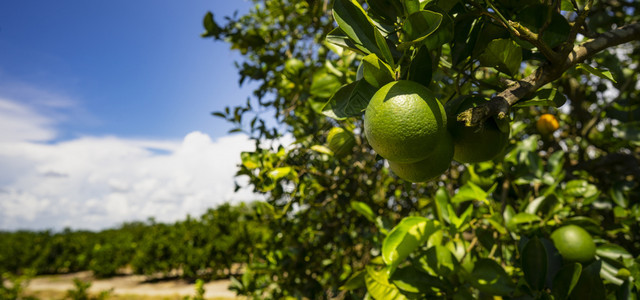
(340, 141)
(292, 68)
(475, 144)
(429, 168)
(574, 243)
(404, 121)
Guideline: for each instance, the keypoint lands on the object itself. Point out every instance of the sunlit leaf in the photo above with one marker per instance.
(379, 287)
(376, 72)
(403, 239)
(353, 21)
(604, 74)
(364, 210)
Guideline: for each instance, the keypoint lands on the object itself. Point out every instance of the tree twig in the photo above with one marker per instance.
(501, 103)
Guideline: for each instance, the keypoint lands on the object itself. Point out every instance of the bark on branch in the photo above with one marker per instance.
(501, 103)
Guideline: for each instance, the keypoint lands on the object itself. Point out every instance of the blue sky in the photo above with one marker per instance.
(105, 113)
(134, 68)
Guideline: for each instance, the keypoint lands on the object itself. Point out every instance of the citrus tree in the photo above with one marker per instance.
(442, 149)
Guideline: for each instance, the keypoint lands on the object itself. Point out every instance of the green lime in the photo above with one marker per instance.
(429, 168)
(292, 68)
(340, 141)
(404, 122)
(574, 243)
(475, 144)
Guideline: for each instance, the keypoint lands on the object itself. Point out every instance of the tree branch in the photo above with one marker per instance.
(501, 103)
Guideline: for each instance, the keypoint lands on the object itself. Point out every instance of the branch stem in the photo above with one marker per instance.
(501, 103)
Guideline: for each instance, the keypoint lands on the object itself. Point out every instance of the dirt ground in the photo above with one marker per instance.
(126, 287)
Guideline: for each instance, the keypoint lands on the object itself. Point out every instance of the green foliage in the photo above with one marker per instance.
(12, 286)
(206, 247)
(81, 292)
(199, 291)
(349, 228)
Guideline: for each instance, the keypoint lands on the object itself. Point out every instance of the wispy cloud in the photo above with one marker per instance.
(19, 123)
(95, 182)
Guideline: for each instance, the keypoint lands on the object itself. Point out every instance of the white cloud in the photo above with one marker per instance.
(97, 182)
(19, 123)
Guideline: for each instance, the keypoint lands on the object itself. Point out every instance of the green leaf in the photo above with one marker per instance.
(617, 194)
(356, 281)
(364, 210)
(610, 270)
(250, 160)
(438, 261)
(379, 287)
(464, 218)
(590, 285)
(604, 74)
(555, 163)
(324, 84)
(544, 97)
(580, 188)
(210, 26)
(489, 277)
(385, 52)
(522, 218)
(534, 264)
(218, 114)
(407, 236)
(469, 192)
(541, 204)
(504, 55)
(322, 149)
(613, 252)
(410, 280)
(534, 17)
(349, 101)
(353, 21)
(339, 38)
(466, 31)
(279, 173)
(444, 33)
(442, 201)
(458, 248)
(508, 214)
(420, 69)
(411, 6)
(567, 5)
(418, 26)
(384, 9)
(375, 71)
(565, 280)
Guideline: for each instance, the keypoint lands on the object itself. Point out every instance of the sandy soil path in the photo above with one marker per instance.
(130, 285)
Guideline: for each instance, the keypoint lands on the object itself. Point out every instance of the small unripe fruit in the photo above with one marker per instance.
(340, 141)
(574, 243)
(547, 124)
(480, 143)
